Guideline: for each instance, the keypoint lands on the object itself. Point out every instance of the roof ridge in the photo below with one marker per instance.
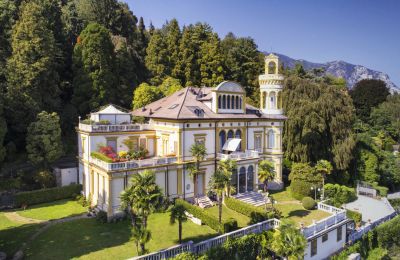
(183, 101)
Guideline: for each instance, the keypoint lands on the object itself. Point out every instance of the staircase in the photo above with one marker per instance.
(251, 197)
(204, 202)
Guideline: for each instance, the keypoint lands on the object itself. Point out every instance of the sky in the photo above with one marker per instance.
(362, 32)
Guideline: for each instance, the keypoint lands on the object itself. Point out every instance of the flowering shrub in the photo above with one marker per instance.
(123, 154)
(109, 152)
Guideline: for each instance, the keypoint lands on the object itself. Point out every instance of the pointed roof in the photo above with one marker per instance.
(110, 109)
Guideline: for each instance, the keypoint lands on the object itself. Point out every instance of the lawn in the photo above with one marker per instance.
(13, 234)
(298, 214)
(53, 210)
(88, 239)
(281, 195)
(242, 220)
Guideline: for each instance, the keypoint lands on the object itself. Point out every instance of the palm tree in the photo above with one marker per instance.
(288, 242)
(141, 236)
(218, 184)
(198, 151)
(143, 197)
(324, 168)
(227, 167)
(266, 172)
(178, 213)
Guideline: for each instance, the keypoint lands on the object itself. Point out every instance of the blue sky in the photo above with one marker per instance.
(357, 31)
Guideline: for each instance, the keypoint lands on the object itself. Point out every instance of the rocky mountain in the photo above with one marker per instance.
(352, 73)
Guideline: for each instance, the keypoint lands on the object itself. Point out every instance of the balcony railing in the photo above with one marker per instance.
(112, 128)
(248, 154)
(338, 216)
(133, 163)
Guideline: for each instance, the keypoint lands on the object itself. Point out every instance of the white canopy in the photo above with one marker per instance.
(232, 144)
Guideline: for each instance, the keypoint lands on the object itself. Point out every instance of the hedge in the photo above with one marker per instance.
(46, 195)
(256, 214)
(101, 156)
(300, 189)
(354, 215)
(339, 194)
(207, 218)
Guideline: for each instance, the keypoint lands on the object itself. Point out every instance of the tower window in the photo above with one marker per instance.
(271, 67)
(237, 102)
(219, 102)
(228, 101)
(224, 102)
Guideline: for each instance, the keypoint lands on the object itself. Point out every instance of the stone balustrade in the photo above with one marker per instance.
(112, 128)
(132, 164)
(248, 154)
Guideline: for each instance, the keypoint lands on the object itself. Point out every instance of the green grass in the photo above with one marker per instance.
(13, 234)
(53, 210)
(88, 239)
(282, 195)
(298, 214)
(242, 220)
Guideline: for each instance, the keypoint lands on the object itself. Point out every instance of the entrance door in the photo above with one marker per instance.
(199, 184)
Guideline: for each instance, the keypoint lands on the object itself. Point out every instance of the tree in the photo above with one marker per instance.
(324, 168)
(145, 94)
(198, 151)
(43, 140)
(288, 242)
(386, 116)
(266, 172)
(366, 94)
(142, 197)
(319, 125)
(218, 183)
(141, 235)
(33, 80)
(169, 86)
(227, 167)
(178, 213)
(94, 63)
(157, 58)
(303, 177)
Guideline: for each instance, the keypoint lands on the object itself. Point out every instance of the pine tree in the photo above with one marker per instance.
(157, 58)
(94, 75)
(33, 80)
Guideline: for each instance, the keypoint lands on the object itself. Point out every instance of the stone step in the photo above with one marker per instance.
(204, 202)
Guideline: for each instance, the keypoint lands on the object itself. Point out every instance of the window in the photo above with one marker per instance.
(339, 233)
(173, 106)
(271, 139)
(240, 103)
(222, 139)
(238, 135)
(233, 102)
(142, 143)
(219, 102)
(325, 237)
(112, 143)
(271, 67)
(257, 143)
(272, 100)
(250, 178)
(230, 134)
(237, 102)
(228, 101)
(200, 139)
(313, 247)
(223, 101)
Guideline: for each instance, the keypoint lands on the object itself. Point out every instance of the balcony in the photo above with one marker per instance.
(132, 164)
(95, 128)
(248, 154)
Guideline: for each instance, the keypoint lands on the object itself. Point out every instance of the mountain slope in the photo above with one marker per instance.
(352, 73)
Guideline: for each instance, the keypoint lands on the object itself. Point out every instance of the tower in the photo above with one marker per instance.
(271, 87)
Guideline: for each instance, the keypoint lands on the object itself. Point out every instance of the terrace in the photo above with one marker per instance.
(101, 127)
(248, 154)
(132, 164)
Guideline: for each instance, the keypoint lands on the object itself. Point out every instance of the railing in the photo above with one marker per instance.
(338, 216)
(239, 155)
(133, 163)
(112, 128)
(205, 245)
(369, 226)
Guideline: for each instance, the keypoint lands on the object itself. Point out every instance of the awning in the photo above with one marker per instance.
(231, 144)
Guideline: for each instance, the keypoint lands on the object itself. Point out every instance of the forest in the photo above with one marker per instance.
(61, 59)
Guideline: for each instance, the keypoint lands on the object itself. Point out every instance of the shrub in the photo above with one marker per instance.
(388, 233)
(300, 189)
(308, 203)
(255, 214)
(395, 203)
(101, 216)
(205, 217)
(378, 254)
(81, 200)
(354, 215)
(383, 191)
(45, 179)
(101, 156)
(103, 122)
(339, 194)
(46, 195)
(230, 225)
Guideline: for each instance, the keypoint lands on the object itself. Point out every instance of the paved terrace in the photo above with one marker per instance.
(371, 209)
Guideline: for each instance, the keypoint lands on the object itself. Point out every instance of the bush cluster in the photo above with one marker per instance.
(354, 215)
(46, 195)
(300, 189)
(308, 203)
(339, 194)
(207, 218)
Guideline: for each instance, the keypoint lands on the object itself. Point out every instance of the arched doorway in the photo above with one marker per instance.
(242, 180)
(250, 178)
(238, 135)
(234, 182)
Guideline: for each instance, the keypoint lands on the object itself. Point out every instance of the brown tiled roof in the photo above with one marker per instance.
(183, 103)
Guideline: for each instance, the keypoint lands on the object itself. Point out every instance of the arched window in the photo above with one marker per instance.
(237, 102)
(242, 180)
(230, 134)
(222, 139)
(233, 102)
(228, 100)
(240, 103)
(238, 134)
(250, 178)
(272, 67)
(271, 139)
(219, 101)
(272, 100)
(224, 102)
